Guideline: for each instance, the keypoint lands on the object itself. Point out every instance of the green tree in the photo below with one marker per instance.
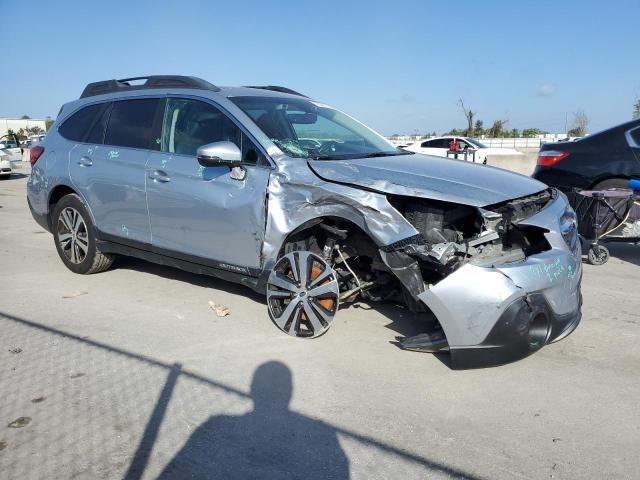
(25, 117)
(47, 123)
(497, 129)
(24, 133)
(515, 133)
(636, 109)
(531, 132)
(478, 129)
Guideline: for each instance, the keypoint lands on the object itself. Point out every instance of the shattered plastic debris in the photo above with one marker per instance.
(20, 422)
(75, 294)
(220, 310)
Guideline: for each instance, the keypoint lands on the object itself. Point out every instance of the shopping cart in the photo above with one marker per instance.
(606, 216)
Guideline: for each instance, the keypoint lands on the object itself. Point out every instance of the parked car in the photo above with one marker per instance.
(216, 181)
(439, 146)
(5, 165)
(10, 146)
(603, 160)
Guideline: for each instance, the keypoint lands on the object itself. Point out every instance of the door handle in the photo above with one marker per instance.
(85, 161)
(159, 176)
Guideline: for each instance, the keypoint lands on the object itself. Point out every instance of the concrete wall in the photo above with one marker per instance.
(524, 164)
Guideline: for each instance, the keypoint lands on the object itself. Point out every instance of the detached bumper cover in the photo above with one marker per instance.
(493, 316)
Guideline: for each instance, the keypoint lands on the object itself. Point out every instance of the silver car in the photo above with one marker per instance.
(266, 187)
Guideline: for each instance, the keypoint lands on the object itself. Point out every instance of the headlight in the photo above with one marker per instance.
(569, 227)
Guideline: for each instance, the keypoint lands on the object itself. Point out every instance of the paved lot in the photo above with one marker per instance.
(138, 378)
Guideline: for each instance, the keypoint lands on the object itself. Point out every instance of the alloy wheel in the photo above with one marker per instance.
(72, 235)
(302, 294)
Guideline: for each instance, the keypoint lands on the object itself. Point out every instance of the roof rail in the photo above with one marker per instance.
(275, 88)
(153, 81)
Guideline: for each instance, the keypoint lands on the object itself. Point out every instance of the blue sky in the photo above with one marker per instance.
(400, 67)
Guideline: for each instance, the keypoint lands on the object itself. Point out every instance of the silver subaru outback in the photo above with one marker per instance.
(264, 186)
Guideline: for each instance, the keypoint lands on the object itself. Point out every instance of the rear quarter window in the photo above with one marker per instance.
(131, 124)
(78, 125)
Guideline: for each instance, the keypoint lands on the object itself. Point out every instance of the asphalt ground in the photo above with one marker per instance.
(134, 376)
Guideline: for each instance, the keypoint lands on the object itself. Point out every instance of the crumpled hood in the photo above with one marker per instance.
(426, 176)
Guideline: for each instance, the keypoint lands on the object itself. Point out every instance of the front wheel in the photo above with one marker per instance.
(302, 294)
(74, 235)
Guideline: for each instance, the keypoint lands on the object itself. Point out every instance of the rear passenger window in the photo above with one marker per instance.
(131, 124)
(78, 125)
(96, 135)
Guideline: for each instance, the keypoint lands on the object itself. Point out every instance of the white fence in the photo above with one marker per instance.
(513, 142)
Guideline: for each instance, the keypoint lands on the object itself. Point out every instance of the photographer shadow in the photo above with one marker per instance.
(269, 442)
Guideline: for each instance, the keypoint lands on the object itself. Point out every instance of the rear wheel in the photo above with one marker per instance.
(74, 235)
(302, 294)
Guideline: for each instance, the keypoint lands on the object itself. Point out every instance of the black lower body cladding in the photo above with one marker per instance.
(525, 327)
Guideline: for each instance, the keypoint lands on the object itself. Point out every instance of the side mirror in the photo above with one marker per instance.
(219, 153)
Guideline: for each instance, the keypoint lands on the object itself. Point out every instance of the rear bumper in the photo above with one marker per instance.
(41, 219)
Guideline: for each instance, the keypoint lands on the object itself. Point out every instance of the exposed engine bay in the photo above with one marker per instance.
(450, 236)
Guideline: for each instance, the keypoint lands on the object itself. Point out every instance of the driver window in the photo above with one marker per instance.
(189, 124)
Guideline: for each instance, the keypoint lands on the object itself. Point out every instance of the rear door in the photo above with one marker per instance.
(108, 167)
(436, 146)
(208, 215)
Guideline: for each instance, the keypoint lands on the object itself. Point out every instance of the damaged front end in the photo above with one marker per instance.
(496, 277)
(502, 280)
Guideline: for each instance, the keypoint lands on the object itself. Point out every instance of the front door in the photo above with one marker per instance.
(202, 214)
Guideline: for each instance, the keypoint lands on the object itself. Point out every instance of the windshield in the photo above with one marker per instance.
(305, 129)
(475, 142)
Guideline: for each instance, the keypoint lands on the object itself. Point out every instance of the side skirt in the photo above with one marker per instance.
(201, 266)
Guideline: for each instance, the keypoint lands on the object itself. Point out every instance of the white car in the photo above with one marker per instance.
(5, 165)
(10, 147)
(439, 146)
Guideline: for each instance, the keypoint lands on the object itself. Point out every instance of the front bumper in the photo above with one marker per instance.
(498, 315)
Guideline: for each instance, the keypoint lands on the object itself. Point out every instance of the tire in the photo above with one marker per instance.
(75, 238)
(611, 183)
(598, 255)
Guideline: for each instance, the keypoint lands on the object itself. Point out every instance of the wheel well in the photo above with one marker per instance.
(312, 230)
(606, 179)
(56, 194)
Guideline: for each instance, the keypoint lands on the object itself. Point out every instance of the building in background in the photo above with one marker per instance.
(16, 124)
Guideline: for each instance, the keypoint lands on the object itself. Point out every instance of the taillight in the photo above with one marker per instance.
(35, 153)
(551, 157)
